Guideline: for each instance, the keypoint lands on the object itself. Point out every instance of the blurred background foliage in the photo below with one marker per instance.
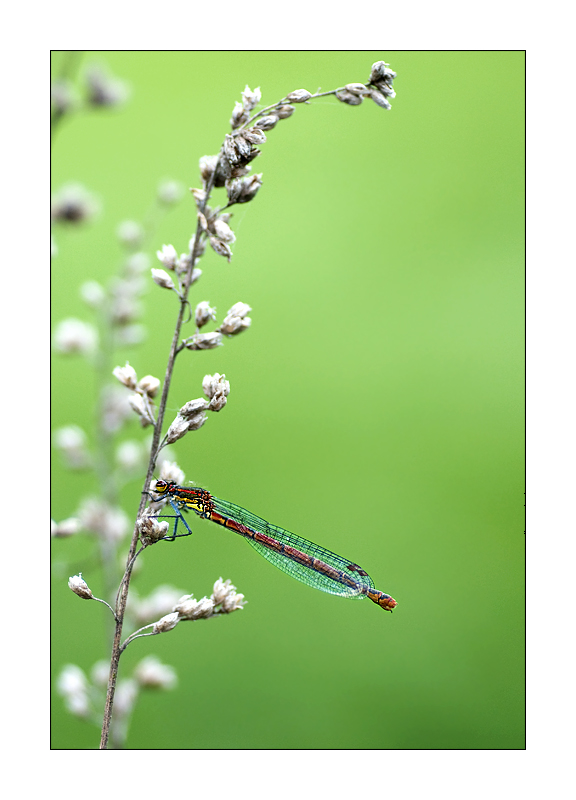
(376, 406)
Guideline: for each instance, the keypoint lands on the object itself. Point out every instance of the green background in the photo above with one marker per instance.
(377, 402)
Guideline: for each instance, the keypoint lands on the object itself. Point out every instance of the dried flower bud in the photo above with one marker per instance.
(74, 336)
(152, 674)
(215, 384)
(285, 111)
(207, 165)
(380, 72)
(239, 116)
(269, 122)
(203, 341)
(217, 403)
(151, 530)
(250, 99)
(242, 190)
(192, 407)
(204, 313)
(162, 278)
(188, 608)
(177, 429)
(80, 587)
(166, 623)
(126, 375)
(379, 99)
(299, 96)
(239, 309)
(349, 98)
(196, 421)
(140, 407)
(221, 248)
(223, 231)
(255, 136)
(167, 256)
(356, 88)
(149, 385)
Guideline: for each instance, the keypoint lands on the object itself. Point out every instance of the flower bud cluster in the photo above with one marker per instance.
(144, 392)
(72, 336)
(379, 87)
(73, 686)
(236, 320)
(223, 600)
(192, 415)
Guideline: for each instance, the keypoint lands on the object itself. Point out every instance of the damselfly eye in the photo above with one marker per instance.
(161, 486)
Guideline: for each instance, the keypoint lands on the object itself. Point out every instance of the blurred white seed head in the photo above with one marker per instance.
(170, 192)
(73, 203)
(80, 587)
(72, 685)
(125, 697)
(158, 603)
(236, 320)
(103, 89)
(93, 293)
(74, 336)
(204, 313)
(137, 264)
(129, 455)
(68, 527)
(126, 375)
(109, 522)
(72, 443)
(151, 673)
(130, 233)
(100, 673)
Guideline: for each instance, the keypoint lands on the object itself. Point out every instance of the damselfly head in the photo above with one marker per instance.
(161, 486)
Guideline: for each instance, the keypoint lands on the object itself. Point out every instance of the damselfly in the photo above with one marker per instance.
(303, 560)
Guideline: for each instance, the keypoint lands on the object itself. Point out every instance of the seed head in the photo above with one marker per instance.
(204, 313)
(149, 385)
(162, 278)
(126, 375)
(250, 99)
(74, 336)
(167, 623)
(299, 96)
(167, 256)
(152, 674)
(80, 587)
(269, 122)
(203, 341)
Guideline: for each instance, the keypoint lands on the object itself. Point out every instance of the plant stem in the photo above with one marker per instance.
(123, 594)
